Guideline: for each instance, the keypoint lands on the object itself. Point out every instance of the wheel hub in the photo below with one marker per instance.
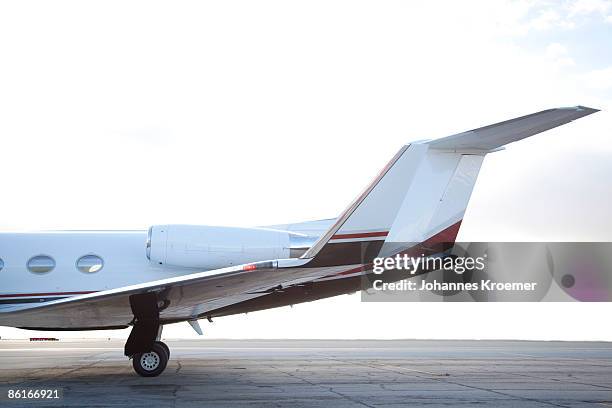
(149, 361)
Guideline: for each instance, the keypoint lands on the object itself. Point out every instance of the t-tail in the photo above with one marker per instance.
(421, 195)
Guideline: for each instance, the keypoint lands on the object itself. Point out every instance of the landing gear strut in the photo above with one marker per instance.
(149, 355)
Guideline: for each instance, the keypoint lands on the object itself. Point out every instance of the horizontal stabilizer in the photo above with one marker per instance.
(494, 136)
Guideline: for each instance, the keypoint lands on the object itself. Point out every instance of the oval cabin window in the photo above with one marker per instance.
(90, 264)
(41, 264)
(1, 264)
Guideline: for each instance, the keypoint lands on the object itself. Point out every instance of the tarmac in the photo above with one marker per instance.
(315, 373)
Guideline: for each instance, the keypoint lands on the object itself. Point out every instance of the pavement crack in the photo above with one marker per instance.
(330, 389)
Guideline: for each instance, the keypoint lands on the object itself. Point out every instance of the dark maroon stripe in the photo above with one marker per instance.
(447, 235)
(347, 253)
(361, 235)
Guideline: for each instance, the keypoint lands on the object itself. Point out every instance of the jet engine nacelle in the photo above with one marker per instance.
(207, 247)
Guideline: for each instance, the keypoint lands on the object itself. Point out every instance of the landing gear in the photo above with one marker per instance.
(149, 355)
(151, 363)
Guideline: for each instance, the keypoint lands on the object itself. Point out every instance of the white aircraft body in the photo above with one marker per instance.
(116, 279)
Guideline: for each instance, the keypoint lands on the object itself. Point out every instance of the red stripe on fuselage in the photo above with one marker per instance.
(361, 235)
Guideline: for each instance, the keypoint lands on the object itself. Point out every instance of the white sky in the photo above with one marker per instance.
(120, 115)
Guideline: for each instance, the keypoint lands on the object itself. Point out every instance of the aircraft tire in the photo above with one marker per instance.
(151, 363)
(165, 346)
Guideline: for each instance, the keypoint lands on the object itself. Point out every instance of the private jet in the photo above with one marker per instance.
(96, 280)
